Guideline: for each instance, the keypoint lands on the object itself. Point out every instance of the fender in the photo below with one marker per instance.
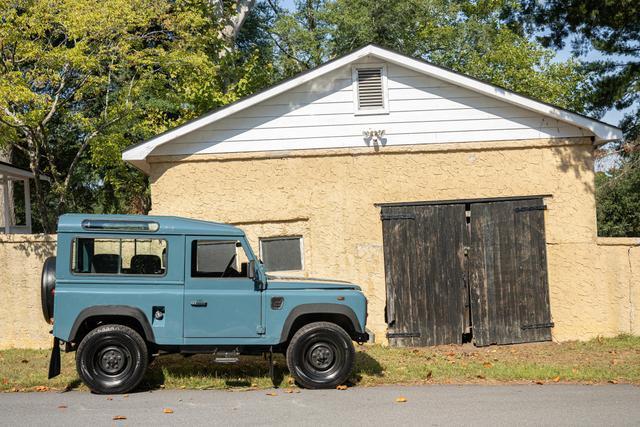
(113, 310)
(320, 308)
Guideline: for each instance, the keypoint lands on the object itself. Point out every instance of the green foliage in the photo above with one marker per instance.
(82, 79)
(612, 28)
(476, 38)
(618, 201)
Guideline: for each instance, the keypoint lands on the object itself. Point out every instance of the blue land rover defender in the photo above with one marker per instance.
(124, 289)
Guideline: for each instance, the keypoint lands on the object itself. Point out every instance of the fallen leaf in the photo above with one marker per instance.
(161, 385)
(5, 381)
(24, 361)
(482, 377)
(291, 381)
(429, 375)
(272, 394)
(556, 379)
(109, 398)
(125, 395)
(41, 388)
(167, 411)
(183, 387)
(613, 381)
(341, 387)
(487, 365)
(62, 407)
(119, 417)
(539, 382)
(401, 399)
(288, 391)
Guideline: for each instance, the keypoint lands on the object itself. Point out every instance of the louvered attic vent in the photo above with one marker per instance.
(370, 90)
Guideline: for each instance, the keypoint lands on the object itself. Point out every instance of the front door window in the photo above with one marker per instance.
(214, 258)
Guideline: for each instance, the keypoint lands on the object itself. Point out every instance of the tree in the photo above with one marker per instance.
(618, 202)
(82, 79)
(476, 38)
(611, 28)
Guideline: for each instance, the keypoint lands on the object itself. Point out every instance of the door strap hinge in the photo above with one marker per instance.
(386, 217)
(538, 326)
(531, 208)
(260, 330)
(403, 334)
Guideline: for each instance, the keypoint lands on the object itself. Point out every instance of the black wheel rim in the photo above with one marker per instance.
(321, 358)
(112, 360)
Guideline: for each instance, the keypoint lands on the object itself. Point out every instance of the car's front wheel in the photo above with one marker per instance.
(320, 355)
(112, 359)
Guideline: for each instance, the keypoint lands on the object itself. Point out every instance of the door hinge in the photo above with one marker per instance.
(531, 208)
(386, 217)
(538, 326)
(403, 335)
(260, 330)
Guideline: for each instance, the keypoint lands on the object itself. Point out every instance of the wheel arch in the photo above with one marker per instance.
(119, 314)
(303, 314)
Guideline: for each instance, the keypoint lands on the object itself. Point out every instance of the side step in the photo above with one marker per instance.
(226, 360)
(227, 357)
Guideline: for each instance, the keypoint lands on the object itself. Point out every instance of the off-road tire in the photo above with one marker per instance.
(320, 355)
(112, 359)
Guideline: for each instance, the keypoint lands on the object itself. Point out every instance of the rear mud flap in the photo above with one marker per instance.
(54, 362)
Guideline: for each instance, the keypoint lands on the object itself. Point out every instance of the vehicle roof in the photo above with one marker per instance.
(72, 223)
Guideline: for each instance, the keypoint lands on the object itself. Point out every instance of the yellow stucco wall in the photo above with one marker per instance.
(328, 196)
(21, 321)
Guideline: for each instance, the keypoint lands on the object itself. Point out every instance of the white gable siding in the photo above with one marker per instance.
(320, 114)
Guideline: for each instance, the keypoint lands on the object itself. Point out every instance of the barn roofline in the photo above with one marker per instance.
(603, 132)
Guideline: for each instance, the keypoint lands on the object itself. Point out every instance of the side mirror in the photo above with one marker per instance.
(251, 269)
(254, 272)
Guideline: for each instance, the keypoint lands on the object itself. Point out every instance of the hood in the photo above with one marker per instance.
(284, 282)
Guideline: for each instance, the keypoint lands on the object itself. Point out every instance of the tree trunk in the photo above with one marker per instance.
(233, 24)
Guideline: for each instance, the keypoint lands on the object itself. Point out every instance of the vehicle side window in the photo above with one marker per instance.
(218, 258)
(119, 256)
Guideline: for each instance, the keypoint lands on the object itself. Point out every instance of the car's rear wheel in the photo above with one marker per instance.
(320, 355)
(112, 359)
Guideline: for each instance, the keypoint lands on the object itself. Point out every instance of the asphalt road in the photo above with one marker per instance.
(435, 405)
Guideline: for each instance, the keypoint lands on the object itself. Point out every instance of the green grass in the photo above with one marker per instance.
(601, 360)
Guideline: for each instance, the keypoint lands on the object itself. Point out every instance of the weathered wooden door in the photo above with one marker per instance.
(508, 273)
(425, 273)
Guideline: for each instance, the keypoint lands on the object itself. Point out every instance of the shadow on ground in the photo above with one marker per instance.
(200, 371)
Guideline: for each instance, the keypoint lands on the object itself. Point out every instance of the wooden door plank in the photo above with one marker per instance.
(425, 272)
(507, 263)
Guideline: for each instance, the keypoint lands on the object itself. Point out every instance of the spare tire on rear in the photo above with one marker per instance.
(48, 284)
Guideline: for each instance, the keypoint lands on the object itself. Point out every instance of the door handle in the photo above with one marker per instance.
(198, 303)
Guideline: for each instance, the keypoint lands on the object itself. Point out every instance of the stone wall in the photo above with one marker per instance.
(21, 260)
(328, 197)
